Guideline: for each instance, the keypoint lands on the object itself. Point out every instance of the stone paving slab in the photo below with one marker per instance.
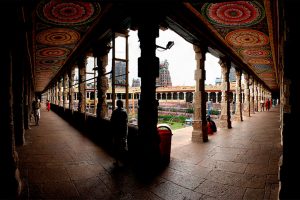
(58, 162)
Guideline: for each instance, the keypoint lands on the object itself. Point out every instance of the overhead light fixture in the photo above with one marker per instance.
(169, 45)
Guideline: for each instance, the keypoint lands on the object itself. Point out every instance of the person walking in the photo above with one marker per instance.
(119, 122)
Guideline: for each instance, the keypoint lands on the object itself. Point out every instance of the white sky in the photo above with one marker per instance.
(181, 58)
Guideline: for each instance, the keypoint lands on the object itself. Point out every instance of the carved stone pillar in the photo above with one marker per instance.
(60, 92)
(255, 96)
(208, 96)
(199, 120)
(57, 93)
(71, 88)
(225, 103)
(102, 82)
(238, 103)
(251, 80)
(148, 70)
(82, 84)
(65, 91)
(9, 174)
(217, 97)
(247, 96)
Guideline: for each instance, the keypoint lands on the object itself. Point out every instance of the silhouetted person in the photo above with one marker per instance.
(119, 122)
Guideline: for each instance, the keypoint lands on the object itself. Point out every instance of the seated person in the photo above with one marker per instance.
(211, 126)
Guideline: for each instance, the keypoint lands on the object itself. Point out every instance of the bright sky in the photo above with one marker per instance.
(181, 58)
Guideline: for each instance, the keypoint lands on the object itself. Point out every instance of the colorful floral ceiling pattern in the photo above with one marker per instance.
(59, 26)
(241, 13)
(246, 28)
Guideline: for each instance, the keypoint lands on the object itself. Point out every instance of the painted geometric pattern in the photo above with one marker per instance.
(59, 27)
(259, 61)
(257, 53)
(243, 26)
(58, 36)
(52, 52)
(239, 13)
(262, 68)
(247, 38)
(66, 12)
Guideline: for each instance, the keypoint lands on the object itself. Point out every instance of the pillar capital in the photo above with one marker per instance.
(101, 50)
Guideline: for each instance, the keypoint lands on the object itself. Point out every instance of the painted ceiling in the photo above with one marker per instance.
(246, 27)
(59, 26)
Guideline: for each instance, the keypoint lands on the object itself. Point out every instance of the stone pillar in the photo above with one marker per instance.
(18, 101)
(242, 97)
(217, 97)
(148, 70)
(199, 120)
(184, 96)
(82, 84)
(238, 103)
(255, 97)
(225, 103)
(247, 96)
(172, 93)
(71, 88)
(26, 100)
(259, 96)
(9, 174)
(102, 82)
(65, 91)
(208, 96)
(251, 81)
(57, 93)
(61, 92)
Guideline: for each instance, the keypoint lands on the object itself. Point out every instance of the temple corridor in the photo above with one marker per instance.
(59, 162)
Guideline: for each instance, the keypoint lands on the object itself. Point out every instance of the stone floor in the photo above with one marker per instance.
(58, 162)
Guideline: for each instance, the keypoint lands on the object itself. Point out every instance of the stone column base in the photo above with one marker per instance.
(197, 136)
(237, 118)
(224, 122)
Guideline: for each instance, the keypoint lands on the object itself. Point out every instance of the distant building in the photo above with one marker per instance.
(120, 74)
(218, 81)
(136, 82)
(164, 79)
(232, 77)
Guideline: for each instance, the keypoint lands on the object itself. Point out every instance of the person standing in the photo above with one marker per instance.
(48, 105)
(267, 105)
(37, 112)
(119, 122)
(36, 105)
(209, 106)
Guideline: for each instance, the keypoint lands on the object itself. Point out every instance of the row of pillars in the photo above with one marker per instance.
(254, 93)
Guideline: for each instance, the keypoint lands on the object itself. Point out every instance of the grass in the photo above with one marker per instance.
(176, 122)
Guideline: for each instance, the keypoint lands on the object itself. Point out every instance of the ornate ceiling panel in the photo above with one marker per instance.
(246, 27)
(59, 26)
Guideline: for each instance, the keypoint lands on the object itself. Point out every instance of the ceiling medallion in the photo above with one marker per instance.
(257, 53)
(67, 12)
(259, 61)
(238, 13)
(247, 38)
(52, 52)
(58, 36)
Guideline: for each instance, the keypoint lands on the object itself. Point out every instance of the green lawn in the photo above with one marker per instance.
(176, 122)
